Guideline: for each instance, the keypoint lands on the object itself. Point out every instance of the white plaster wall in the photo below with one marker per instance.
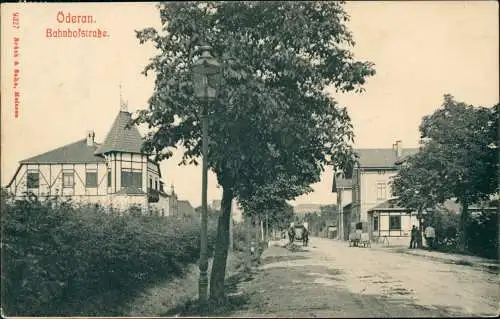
(154, 174)
(407, 221)
(51, 179)
(346, 196)
(369, 180)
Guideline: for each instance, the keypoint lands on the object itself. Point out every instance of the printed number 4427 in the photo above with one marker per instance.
(15, 20)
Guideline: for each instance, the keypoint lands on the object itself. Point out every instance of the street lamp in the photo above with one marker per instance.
(206, 75)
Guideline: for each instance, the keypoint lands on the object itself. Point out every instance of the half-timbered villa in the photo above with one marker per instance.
(114, 174)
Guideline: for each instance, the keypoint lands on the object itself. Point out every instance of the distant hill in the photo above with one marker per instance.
(303, 209)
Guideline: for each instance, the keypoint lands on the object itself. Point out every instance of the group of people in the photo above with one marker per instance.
(416, 237)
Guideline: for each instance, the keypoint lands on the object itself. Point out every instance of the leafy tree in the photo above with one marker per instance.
(270, 201)
(314, 221)
(418, 184)
(329, 212)
(272, 116)
(459, 160)
(281, 215)
(318, 221)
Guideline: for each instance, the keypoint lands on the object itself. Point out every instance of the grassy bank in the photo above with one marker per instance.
(61, 259)
(164, 300)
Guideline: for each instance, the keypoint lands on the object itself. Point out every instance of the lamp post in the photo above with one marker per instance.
(206, 74)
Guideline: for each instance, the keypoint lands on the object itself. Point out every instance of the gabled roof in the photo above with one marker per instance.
(381, 157)
(120, 138)
(77, 152)
(341, 183)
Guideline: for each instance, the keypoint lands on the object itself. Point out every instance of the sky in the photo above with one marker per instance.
(421, 51)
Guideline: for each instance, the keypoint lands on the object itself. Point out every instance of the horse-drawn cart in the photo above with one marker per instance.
(359, 238)
(298, 233)
(354, 239)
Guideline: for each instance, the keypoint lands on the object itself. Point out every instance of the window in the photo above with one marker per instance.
(394, 222)
(33, 180)
(375, 223)
(156, 184)
(381, 172)
(91, 179)
(381, 191)
(150, 182)
(131, 178)
(109, 178)
(68, 179)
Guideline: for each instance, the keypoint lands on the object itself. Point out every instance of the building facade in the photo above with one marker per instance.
(367, 187)
(115, 174)
(342, 186)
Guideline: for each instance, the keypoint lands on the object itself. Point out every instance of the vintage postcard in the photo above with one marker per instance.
(250, 159)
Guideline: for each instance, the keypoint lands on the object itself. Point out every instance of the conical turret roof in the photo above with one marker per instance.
(120, 138)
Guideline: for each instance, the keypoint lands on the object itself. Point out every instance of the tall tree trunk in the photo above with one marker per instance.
(248, 257)
(464, 217)
(231, 234)
(420, 227)
(256, 228)
(261, 229)
(218, 275)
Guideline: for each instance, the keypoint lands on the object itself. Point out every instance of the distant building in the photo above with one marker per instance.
(216, 204)
(302, 209)
(185, 207)
(114, 174)
(236, 211)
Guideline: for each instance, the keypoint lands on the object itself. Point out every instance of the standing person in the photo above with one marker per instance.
(413, 239)
(291, 234)
(305, 237)
(430, 235)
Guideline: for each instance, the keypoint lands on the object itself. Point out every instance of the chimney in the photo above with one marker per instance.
(398, 148)
(90, 138)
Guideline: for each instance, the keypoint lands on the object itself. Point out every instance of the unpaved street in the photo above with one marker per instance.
(330, 279)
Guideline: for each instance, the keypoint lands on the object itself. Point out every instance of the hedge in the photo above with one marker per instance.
(60, 259)
(481, 232)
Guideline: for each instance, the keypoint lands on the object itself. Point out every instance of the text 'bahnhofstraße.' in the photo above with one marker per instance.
(71, 31)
